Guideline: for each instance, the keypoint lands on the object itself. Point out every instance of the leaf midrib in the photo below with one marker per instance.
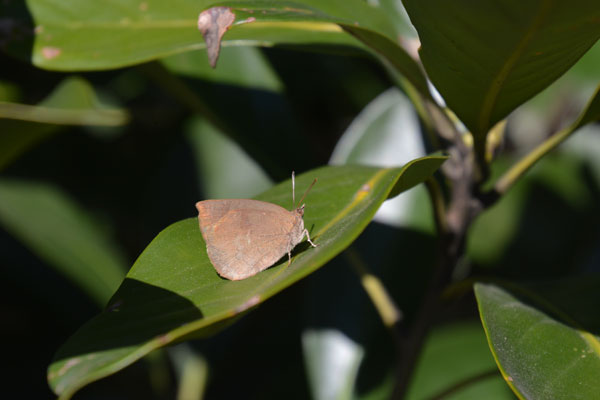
(491, 98)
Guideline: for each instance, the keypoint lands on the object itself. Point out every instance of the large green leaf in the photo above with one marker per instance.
(172, 292)
(62, 234)
(73, 102)
(93, 35)
(487, 57)
(546, 342)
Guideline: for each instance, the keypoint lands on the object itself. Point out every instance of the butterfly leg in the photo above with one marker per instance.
(308, 237)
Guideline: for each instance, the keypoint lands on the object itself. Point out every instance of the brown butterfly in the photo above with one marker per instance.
(244, 237)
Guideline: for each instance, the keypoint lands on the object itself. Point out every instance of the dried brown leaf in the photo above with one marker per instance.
(213, 23)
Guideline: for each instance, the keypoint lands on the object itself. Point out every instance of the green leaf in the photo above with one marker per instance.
(172, 292)
(83, 36)
(392, 54)
(545, 349)
(73, 102)
(488, 57)
(59, 232)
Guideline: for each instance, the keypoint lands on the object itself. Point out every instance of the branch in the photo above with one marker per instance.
(452, 223)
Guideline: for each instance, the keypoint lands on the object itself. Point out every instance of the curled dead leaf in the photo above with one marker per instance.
(213, 23)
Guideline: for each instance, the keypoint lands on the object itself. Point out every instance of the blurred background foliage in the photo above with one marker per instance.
(116, 156)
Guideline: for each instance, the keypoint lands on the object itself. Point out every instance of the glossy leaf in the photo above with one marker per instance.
(546, 341)
(172, 292)
(488, 57)
(59, 232)
(83, 36)
(73, 102)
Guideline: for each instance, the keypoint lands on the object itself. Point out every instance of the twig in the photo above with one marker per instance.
(450, 249)
(452, 225)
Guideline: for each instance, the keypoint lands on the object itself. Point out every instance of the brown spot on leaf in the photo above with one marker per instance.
(50, 52)
(164, 339)
(213, 23)
(251, 302)
(68, 365)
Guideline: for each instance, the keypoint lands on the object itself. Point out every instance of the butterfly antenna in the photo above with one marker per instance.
(293, 190)
(307, 190)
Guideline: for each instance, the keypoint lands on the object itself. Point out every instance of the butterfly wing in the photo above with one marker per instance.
(244, 237)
